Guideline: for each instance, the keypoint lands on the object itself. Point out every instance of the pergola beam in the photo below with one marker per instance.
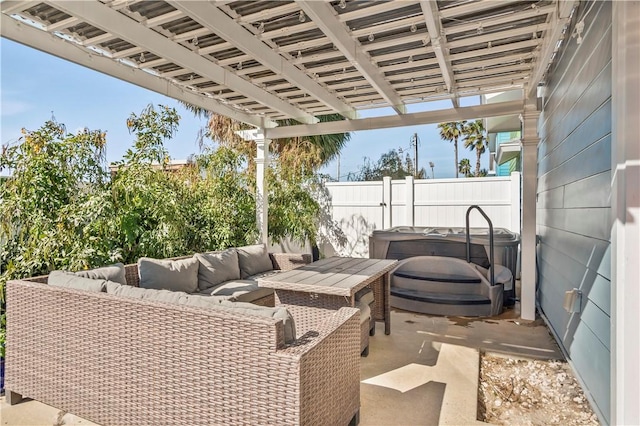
(439, 44)
(218, 22)
(557, 23)
(107, 19)
(325, 18)
(43, 41)
(428, 117)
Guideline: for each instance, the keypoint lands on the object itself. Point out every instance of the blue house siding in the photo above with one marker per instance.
(574, 200)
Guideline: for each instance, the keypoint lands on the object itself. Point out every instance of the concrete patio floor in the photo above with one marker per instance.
(424, 373)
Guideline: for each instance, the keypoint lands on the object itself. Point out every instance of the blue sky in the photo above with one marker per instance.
(36, 85)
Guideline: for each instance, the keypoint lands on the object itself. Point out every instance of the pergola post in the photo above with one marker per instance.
(262, 193)
(528, 277)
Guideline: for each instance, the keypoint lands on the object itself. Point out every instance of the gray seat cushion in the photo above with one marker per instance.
(365, 311)
(239, 290)
(256, 277)
(365, 295)
(71, 280)
(113, 273)
(216, 268)
(254, 260)
(174, 275)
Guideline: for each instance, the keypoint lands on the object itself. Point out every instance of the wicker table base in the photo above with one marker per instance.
(332, 283)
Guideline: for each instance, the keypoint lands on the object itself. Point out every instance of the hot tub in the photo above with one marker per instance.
(402, 242)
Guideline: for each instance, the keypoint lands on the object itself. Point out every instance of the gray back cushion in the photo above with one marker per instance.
(216, 268)
(174, 275)
(264, 311)
(253, 260)
(71, 280)
(113, 273)
(132, 292)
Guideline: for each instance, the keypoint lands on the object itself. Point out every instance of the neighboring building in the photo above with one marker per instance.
(507, 153)
(505, 131)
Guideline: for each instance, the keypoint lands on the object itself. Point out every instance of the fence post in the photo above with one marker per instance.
(409, 204)
(386, 202)
(515, 202)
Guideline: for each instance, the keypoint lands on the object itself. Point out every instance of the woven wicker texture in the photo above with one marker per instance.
(333, 282)
(120, 361)
(291, 299)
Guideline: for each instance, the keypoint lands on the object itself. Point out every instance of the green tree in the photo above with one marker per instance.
(47, 207)
(451, 132)
(465, 167)
(390, 164)
(222, 211)
(475, 140)
(295, 189)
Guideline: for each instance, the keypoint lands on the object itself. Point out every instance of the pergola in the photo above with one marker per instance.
(258, 62)
(262, 61)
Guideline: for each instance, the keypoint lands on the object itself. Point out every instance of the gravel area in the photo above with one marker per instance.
(530, 392)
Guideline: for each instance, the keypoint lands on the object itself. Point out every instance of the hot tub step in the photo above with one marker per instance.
(443, 278)
(440, 303)
(432, 282)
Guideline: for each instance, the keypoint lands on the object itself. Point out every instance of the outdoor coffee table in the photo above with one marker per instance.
(333, 283)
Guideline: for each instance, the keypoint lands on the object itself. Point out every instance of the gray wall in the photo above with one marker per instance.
(574, 193)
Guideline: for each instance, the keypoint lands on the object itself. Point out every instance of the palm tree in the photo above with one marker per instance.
(465, 167)
(318, 150)
(451, 131)
(475, 139)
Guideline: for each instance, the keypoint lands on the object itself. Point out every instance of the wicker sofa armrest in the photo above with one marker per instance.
(329, 366)
(287, 261)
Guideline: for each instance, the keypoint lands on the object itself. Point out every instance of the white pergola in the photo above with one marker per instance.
(258, 62)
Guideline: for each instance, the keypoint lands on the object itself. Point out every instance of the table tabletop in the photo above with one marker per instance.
(340, 276)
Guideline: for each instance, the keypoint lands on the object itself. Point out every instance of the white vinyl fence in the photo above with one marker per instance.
(359, 208)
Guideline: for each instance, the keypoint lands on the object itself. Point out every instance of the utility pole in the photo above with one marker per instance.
(414, 142)
(338, 174)
(432, 166)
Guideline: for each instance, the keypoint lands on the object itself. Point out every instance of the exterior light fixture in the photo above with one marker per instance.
(480, 30)
(371, 37)
(261, 28)
(240, 65)
(414, 28)
(343, 4)
(410, 58)
(302, 17)
(142, 58)
(299, 54)
(195, 41)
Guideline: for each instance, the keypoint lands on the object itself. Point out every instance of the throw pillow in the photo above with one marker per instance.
(174, 275)
(216, 268)
(254, 260)
(71, 280)
(113, 273)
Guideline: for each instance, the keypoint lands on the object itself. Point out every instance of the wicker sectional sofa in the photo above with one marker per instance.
(121, 360)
